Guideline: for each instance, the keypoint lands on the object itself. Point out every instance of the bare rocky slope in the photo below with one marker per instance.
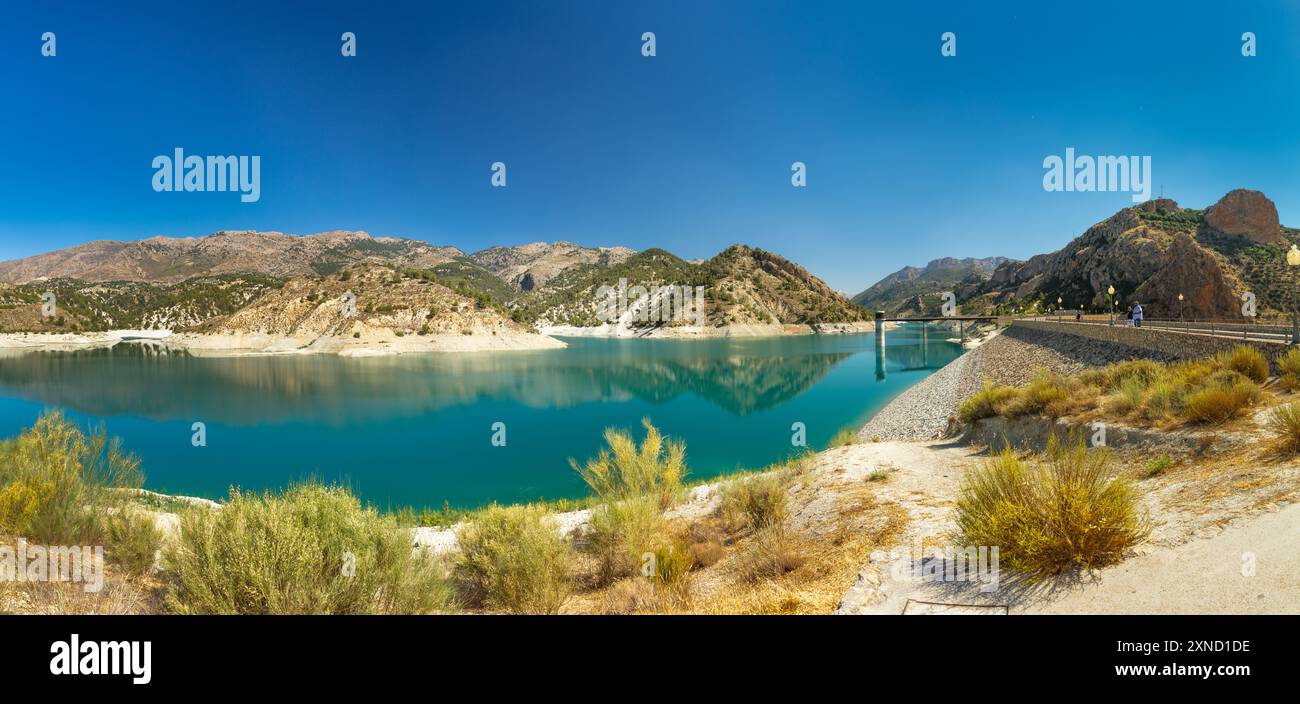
(175, 259)
(384, 303)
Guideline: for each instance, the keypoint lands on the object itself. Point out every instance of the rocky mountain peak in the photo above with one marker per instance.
(1246, 213)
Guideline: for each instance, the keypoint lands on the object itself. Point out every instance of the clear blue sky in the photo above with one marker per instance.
(910, 156)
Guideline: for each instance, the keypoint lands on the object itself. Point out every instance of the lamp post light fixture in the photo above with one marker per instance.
(1293, 261)
(1058, 309)
(1110, 294)
(1180, 308)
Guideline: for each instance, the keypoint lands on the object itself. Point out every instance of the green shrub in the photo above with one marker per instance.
(132, 540)
(620, 533)
(986, 402)
(1059, 513)
(513, 559)
(310, 550)
(1247, 361)
(57, 483)
(624, 471)
(1284, 423)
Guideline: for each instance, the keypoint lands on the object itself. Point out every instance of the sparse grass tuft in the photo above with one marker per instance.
(846, 436)
(1048, 394)
(770, 554)
(1157, 466)
(1225, 395)
(1289, 366)
(1247, 361)
(1284, 423)
(986, 403)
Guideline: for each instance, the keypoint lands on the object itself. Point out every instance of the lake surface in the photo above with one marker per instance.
(417, 430)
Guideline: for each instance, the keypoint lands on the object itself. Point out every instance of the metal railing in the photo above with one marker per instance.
(1264, 330)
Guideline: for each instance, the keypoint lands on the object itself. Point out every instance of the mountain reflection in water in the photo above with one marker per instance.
(400, 428)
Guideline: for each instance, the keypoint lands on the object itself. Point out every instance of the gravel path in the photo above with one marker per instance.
(1010, 357)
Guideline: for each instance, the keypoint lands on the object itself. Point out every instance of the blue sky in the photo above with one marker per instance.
(910, 155)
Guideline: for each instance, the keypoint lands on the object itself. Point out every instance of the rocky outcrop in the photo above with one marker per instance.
(531, 266)
(1187, 268)
(1246, 213)
(1150, 253)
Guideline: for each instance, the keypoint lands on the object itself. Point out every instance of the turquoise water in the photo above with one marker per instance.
(417, 430)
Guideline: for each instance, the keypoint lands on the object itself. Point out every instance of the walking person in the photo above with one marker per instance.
(1128, 317)
(1137, 315)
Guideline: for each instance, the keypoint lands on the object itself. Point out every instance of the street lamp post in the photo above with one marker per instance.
(1110, 295)
(1293, 261)
(1180, 311)
(1058, 309)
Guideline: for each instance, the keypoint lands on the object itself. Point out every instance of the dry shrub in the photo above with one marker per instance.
(1062, 512)
(1047, 394)
(1225, 395)
(771, 553)
(754, 502)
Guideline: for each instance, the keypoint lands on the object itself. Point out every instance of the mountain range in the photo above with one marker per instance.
(281, 284)
(914, 290)
(272, 283)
